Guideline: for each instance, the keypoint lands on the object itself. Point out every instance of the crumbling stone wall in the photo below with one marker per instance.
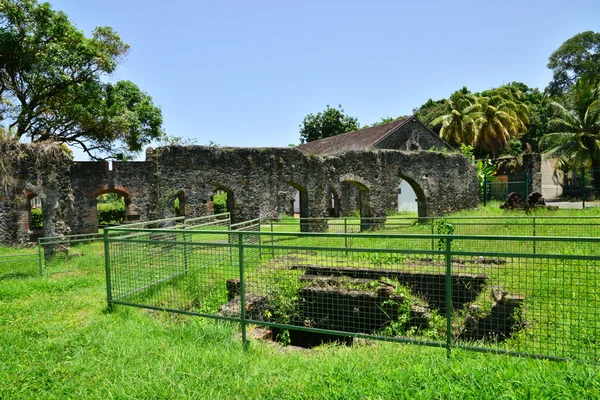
(257, 178)
(533, 171)
(133, 180)
(27, 171)
(257, 182)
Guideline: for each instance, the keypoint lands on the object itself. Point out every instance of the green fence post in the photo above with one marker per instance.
(448, 295)
(185, 250)
(242, 289)
(259, 242)
(534, 234)
(272, 240)
(107, 267)
(345, 233)
(40, 261)
(582, 188)
(432, 230)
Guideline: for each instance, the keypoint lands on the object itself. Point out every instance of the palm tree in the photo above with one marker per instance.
(575, 138)
(458, 126)
(488, 121)
(498, 118)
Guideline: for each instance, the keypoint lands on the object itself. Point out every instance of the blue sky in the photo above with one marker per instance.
(243, 73)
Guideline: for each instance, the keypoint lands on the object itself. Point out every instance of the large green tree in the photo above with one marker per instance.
(53, 84)
(574, 140)
(577, 56)
(325, 124)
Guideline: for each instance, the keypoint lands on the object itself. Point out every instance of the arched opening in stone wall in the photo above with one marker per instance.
(222, 201)
(407, 198)
(409, 194)
(363, 205)
(174, 206)
(333, 203)
(299, 204)
(112, 207)
(35, 218)
(178, 205)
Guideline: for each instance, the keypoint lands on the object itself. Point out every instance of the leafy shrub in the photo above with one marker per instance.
(36, 218)
(220, 203)
(111, 213)
(284, 298)
(485, 173)
(177, 205)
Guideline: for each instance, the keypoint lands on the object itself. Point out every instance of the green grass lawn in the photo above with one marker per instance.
(57, 340)
(18, 262)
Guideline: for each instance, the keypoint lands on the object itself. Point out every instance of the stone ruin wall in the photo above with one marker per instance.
(135, 181)
(28, 171)
(259, 183)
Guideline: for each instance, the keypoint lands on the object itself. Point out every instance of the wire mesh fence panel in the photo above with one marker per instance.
(518, 294)
(19, 263)
(179, 270)
(315, 288)
(74, 252)
(568, 226)
(506, 225)
(209, 222)
(581, 184)
(248, 226)
(68, 253)
(539, 304)
(498, 188)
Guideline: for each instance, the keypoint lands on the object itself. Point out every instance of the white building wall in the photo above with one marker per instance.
(407, 199)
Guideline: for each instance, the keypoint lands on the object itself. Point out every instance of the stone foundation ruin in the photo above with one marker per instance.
(366, 300)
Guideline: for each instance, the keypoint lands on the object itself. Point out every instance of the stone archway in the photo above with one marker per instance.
(130, 214)
(333, 203)
(363, 201)
(421, 199)
(174, 205)
(34, 216)
(301, 198)
(229, 201)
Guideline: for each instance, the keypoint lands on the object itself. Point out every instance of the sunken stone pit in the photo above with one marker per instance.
(384, 302)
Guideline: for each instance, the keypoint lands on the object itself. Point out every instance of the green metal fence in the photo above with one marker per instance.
(498, 190)
(22, 264)
(586, 226)
(69, 253)
(534, 296)
(582, 184)
(66, 253)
